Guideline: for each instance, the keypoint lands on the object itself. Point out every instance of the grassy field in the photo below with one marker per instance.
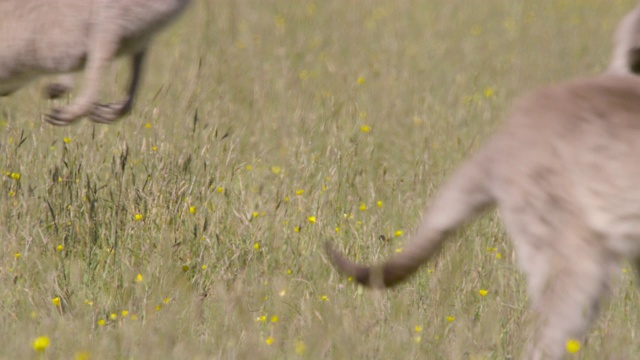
(194, 228)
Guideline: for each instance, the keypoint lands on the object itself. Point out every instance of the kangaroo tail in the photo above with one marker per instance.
(465, 194)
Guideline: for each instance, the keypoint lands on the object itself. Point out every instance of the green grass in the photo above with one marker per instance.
(283, 91)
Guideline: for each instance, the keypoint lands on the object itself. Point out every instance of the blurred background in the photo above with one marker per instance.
(194, 228)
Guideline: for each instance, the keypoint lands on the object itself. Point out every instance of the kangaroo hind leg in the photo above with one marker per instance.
(109, 113)
(103, 49)
(566, 297)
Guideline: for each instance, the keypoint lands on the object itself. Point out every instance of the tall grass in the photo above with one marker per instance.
(194, 228)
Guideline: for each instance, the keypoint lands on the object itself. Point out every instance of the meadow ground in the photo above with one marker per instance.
(194, 228)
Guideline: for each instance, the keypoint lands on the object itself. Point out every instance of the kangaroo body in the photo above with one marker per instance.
(564, 173)
(40, 37)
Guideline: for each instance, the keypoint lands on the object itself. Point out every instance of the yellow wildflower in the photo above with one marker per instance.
(270, 340)
(56, 301)
(365, 128)
(483, 292)
(573, 346)
(41, 343)
(137, 217)
(299, 347)
(311, 219)
(488, 92)
(82, 355)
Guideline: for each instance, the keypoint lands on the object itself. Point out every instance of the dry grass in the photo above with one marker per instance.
(350, 112)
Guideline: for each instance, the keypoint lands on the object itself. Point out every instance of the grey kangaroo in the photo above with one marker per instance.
(40, 37)
(564, 172)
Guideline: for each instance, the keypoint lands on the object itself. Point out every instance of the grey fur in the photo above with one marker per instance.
(40, 37)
